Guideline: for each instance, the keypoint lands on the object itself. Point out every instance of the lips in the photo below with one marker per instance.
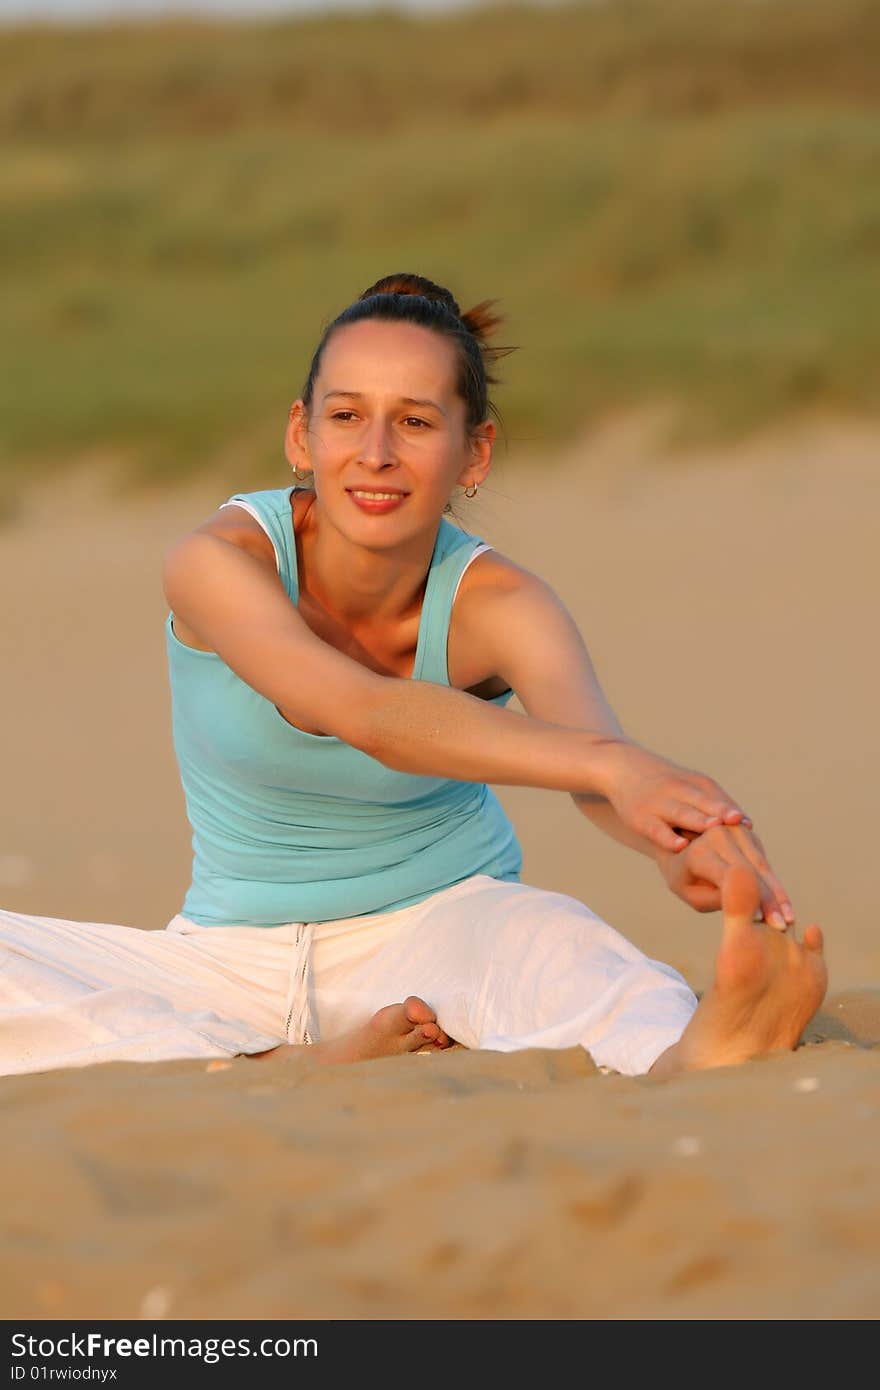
(376, 506)
(391, 491)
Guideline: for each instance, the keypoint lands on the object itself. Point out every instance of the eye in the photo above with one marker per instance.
(414, 420)
(343, 415)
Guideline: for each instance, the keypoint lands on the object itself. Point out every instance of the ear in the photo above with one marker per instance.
(479, 447)
(296, 437)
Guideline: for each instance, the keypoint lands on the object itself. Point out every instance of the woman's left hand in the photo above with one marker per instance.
(695, 874)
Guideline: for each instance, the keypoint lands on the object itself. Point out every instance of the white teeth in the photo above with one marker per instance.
(377, 496)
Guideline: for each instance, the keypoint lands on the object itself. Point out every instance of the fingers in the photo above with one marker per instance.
(714, 853)
(743, 846)
(712, 865)
(684, 800)
(701, 796)
(702, 897)
(685, 815)
(662, 828)
(688, 817)
(662, 835)
(714, 801)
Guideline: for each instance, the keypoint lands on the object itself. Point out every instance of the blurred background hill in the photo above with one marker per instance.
(672, 200)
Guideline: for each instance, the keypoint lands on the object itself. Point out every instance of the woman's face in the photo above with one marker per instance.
(386, 418)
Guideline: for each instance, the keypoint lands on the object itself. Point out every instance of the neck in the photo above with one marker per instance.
(358, 584)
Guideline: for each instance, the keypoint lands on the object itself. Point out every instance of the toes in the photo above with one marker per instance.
(417, 1011)
(740, 893)
(429, 1031)
(813, 938)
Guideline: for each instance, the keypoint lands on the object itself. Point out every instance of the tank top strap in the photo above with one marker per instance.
(271, 508)
(453, 551)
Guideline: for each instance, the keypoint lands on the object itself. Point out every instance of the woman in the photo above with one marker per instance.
(340, 659)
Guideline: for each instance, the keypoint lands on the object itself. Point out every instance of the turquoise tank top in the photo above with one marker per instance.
(296, 827)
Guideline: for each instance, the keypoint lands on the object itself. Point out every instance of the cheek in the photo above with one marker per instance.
(327, 441)
(444, 474)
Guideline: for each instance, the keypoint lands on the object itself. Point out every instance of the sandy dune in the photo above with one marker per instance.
(729, 601)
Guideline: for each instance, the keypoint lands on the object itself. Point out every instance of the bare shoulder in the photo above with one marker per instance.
(496, 579)
(492, 604)
(236, 526)
(511, 628)
(500, 605)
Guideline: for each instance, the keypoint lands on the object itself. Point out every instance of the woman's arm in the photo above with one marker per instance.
(234, 602)
(525, 633)
(549, 666)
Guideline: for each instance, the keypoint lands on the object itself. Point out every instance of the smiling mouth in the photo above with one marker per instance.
(375, 496)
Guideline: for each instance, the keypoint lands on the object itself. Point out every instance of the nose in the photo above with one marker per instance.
(376, 445)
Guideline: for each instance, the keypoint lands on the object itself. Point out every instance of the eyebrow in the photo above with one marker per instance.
(405, 400)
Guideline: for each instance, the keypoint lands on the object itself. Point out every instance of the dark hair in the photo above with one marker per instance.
(413, 299)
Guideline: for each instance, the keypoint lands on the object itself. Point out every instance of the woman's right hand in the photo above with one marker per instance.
(654, 796)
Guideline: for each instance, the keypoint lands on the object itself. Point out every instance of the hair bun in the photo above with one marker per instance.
(403, 283)
(481, 320)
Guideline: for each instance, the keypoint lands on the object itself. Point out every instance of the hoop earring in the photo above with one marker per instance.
(302, 476)
(467, 491)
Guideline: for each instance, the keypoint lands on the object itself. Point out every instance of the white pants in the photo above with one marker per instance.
(504, 965)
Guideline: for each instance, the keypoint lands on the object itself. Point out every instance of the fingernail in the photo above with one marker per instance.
(776, 919)
(788, 910)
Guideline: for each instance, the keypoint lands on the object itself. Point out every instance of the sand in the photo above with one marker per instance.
(728, 597)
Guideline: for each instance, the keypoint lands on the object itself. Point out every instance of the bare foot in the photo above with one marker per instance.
(767, 987)
(395, 1029)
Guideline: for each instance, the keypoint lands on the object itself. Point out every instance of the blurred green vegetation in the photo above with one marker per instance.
(671, 199)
